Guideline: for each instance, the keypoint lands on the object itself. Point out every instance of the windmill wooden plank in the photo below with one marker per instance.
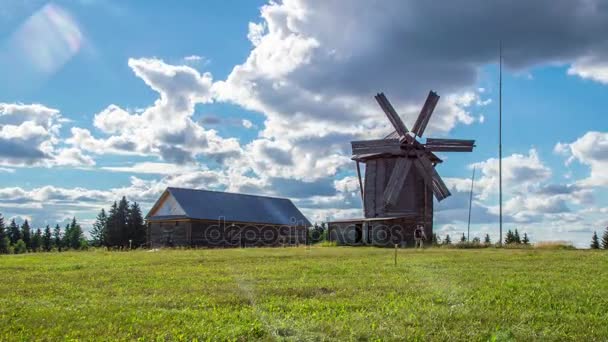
(392, 115)
(396, 181)
(425, 114)
(370, 188)
(391, 146)
(381, 179)
(360, 183)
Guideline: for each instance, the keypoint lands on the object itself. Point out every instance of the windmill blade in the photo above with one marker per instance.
(425, 113)
(392, 115)
(396, 181)
(449, 145)
(429, 173)
(390, 146)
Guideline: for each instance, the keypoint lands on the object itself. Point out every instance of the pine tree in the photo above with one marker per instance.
(47, 239)
(57, 238)
(605, 239)
(435, 240)
(447, 240)
(36, 241)
(13, 232)
(463, 238)
(98, 233)
(516, 237)
(26, 234)
(75, 235)
(525, 240)
(122, 231)
(136, 227)
(113, 226)
(4, 240)
(487, 240)
(595, 241)
(509, 238)
(66, 239)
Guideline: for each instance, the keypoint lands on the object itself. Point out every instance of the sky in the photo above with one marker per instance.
(104, 99)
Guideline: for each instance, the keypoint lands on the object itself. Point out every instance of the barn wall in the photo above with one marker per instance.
(169, 233)
(212, 234)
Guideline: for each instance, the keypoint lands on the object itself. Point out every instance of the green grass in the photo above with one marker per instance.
(298, 294)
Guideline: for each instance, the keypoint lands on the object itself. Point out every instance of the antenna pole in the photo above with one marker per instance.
(470, 205)
(500, 140)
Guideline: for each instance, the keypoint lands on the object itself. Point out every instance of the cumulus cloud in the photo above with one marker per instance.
(591, 150)
(165, 129)
(29, 136)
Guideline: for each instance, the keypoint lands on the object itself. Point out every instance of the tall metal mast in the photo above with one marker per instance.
(500, 139)
(470, 205)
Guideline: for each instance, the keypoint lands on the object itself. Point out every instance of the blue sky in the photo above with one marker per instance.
(108, 98)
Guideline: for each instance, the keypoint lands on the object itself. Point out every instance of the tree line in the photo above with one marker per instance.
(122, 226)
(596, 243)
(22, 239)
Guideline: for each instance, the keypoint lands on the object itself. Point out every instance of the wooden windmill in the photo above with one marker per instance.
(400, 175)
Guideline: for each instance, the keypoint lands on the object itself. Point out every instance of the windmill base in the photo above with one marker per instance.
(378, 231)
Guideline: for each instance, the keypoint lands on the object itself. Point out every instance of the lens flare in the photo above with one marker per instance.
(47, 40)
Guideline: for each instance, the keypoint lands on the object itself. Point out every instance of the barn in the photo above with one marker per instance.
(204, 218)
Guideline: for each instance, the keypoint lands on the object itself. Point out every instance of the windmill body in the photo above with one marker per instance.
(400, 178)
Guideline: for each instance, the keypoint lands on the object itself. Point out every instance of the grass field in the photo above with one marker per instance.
(299, 294)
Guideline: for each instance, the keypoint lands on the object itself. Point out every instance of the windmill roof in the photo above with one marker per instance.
(212, 205)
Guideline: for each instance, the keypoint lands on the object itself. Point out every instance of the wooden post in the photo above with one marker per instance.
(396, 254)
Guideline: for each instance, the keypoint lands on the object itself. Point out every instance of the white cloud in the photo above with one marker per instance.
(164, 129)
(247, 124)
(592, 68)
(592, 150)
(29, 136)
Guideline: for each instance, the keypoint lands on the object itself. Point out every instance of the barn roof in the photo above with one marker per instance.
(211, 205)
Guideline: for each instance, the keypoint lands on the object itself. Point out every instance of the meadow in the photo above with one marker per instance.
(332, 293)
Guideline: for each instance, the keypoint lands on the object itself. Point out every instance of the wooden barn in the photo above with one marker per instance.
(400, 181)
(202, 218)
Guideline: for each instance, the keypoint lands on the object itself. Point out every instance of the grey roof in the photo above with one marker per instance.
(211, 205)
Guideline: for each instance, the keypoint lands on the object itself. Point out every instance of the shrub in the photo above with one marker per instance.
(327, 244)
(554, 245)
(20, 247)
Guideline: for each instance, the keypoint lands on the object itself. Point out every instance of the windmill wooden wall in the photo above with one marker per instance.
(415, 198)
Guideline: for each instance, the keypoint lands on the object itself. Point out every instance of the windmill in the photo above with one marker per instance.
(400, 175)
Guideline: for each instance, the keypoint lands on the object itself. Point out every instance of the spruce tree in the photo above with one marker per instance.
(525, 240)
(435, 240)
(463, 238)
(57, 238)
(47, 239)
(14, 232)
(516, 237)
(75, 236)
(4, 240)
(26, 234)
(66, 239)
(509, 238)
(136, 227)
(487, 240)
(122, 231)
(98, 233)
(36, 241)
(112, 226)
(447, 240)
(595, 241)
(605, 239)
